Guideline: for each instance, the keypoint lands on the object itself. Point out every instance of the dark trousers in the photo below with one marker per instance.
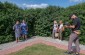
(73, 38)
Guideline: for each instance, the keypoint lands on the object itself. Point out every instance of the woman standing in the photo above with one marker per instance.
(55, 27)
(16, 27)
(24, 29)
(61, 29)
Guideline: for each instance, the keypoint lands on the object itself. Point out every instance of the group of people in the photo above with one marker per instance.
(21, 29)
(58, 29)
(74, 36)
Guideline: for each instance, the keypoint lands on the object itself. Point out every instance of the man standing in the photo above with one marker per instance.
(74, 35)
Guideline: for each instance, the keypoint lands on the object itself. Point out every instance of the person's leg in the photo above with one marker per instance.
(16, 40)
(16, 36)
(71, 39)
(76, 41)
(53, 34)
(77, 46)
(25, 33)
(60, 34)
(25, 37)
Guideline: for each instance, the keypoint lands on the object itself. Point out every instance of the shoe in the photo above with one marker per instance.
(69, 52)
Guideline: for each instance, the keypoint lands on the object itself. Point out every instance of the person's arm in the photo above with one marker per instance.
(73, 25)
(70, 26)
(14, 27)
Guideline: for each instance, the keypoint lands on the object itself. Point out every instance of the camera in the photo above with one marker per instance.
(67, 24)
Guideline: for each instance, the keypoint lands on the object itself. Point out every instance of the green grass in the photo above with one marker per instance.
(40, 49)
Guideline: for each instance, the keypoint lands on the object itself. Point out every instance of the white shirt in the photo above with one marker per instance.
(61, 26)
(55, 26)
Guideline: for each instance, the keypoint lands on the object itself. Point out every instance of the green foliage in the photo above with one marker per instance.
(5, 39)
(40, 21)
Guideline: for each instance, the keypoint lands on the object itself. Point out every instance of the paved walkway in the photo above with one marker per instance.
(13, 46)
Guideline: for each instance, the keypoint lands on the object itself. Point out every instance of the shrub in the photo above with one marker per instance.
(5, 39)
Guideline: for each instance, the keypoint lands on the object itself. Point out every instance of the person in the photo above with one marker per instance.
(16, 27)
(74, 35)
(55, 27)
(24, 29)
(60, 29)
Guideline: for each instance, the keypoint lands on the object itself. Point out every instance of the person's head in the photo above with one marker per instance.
(55, 22)
(60, 21)
(17, 22)
(23, 21)
(73, 16)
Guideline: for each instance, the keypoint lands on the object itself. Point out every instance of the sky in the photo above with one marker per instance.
(43, 3)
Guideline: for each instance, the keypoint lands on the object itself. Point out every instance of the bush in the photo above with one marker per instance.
(5, 39)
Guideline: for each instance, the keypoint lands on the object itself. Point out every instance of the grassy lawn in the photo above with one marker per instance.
(40, 49)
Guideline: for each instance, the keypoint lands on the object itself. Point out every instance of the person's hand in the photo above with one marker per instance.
(66, 26)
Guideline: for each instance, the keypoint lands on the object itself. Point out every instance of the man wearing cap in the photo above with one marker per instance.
(74, 35)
